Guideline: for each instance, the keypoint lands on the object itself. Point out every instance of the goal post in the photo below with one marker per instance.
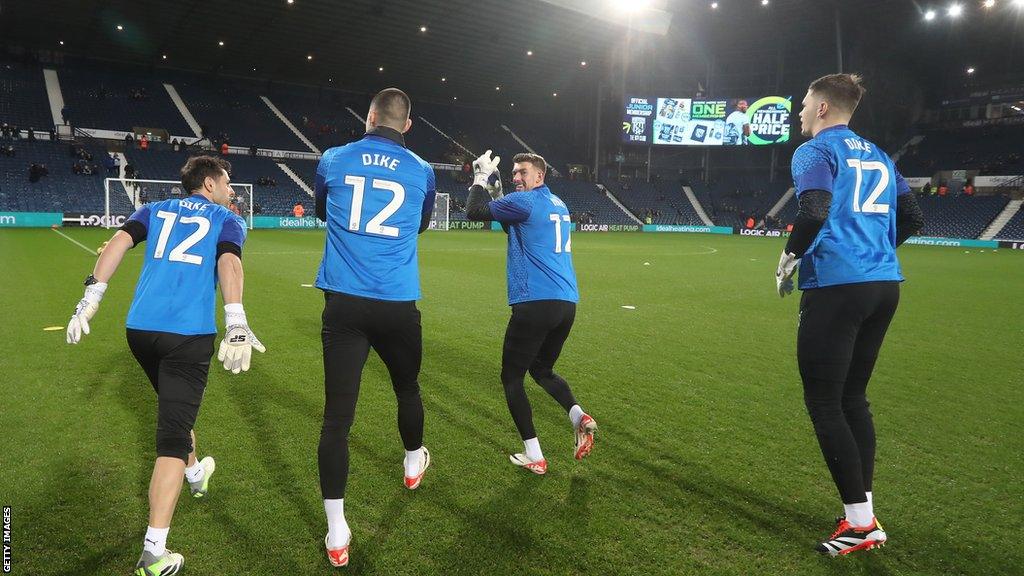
(123, 196)
(439, 217)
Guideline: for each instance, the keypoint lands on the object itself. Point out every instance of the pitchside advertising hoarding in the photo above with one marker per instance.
(757, 121)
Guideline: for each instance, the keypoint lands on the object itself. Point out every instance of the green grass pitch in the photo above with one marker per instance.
(705, 462)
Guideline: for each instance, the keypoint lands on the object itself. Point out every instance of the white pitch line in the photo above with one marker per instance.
(76, 242)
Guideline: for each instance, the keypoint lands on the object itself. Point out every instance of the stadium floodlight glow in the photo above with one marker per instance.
(513, 104)
(970, 70)
(455, 97)
(989, 3)
(583, 62)
(61, 42)
(929, 15)
(631, 5)
(954, 11)
(529, 52)
(221, 43)
(554, 94)
(291, 1)
(764, 2)
(309, 56)
(443, 79)
(714, 5)
(423, 28)
(497, 87)
(1018, 3)
(164, 57)
(119, 27)
(380, 69)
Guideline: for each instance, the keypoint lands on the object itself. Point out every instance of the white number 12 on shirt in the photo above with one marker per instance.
(558, 219)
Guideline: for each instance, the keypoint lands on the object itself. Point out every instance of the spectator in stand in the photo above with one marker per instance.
(15, 132)
(110, 163)
(9, 151)
(175, 146)
(256, 208)
(31, 134)
(36, 171)
(144, 143)
(299, 210)
(5, 131)
(128, 139)
(253, 150)
(53, 135)
(943, 188)
(927, 188)
(224, 148)
(969, 189)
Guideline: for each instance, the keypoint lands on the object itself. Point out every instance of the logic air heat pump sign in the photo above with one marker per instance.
(687, 122)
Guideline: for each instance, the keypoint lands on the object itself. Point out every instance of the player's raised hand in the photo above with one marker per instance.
(85, 310)
(784, 273)
(483, 167)
(236, 347)
(493, 186)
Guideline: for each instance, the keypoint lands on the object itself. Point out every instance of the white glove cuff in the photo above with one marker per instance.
(94, 292)
(234, 314)
(480, 180)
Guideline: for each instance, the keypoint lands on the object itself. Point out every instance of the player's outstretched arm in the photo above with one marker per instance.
(236, 347)
(96, 284)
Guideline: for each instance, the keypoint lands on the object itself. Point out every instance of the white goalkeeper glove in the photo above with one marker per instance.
(236, 347)
(784, 273)
(493, 186)
(483, 167)
(86, 309)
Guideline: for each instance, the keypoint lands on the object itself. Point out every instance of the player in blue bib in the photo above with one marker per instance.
(190, 244)
(855, 209)
(376, 197)
(541, 291)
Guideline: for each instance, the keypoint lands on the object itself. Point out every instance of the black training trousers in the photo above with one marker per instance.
(351, 326)
(841, 331)
(533, 341)
(177, 367)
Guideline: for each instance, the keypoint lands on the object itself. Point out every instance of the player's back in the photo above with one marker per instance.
(540, 250)
(176, 288)
(376, 195)
(857, 242)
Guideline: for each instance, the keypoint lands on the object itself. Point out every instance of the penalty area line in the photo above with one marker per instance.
(75, 242)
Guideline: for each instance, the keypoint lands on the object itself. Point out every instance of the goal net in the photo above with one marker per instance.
(123, 196)
(439, 218)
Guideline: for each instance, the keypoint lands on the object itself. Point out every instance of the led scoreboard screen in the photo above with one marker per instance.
(689, 122)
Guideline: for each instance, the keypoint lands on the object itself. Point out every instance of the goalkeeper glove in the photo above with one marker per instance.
(784, 273)
(86, 309)
(236, 347)
(493, 186)
(483, 167)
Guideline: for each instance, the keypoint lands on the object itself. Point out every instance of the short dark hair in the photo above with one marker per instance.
(536, 159)
(843, 91)
(392, 106)
(195, 171)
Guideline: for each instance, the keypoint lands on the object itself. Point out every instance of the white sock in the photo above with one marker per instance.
(533, 449)
(195, 472)
(575, 414)
(338, 533)
(412, 462)
(859, 514)
(156, 540)
(871, 501)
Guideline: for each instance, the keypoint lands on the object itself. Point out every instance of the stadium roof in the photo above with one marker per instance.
(528, 48)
